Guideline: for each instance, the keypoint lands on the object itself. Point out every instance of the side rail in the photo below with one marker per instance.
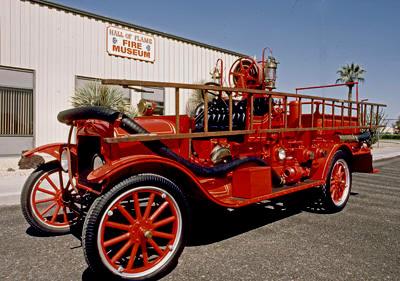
(295, 112)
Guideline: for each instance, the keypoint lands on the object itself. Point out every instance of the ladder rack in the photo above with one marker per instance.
(353, 114)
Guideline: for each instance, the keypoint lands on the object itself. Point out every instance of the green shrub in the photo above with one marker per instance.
(102, 95)
(390, 136)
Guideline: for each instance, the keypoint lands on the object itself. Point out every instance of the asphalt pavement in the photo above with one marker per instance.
(270, 241)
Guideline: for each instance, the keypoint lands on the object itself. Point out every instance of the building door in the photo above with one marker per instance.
(16, 111)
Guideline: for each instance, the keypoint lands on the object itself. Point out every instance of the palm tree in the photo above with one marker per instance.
(350, 73)
(196, 98)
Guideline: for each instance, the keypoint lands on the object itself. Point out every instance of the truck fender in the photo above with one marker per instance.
(115, 170)
(323, 169)
(52, 149)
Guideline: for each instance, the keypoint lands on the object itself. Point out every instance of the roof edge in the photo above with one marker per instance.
(130, 25)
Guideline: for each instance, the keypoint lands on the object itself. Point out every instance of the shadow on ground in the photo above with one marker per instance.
(212, 224)
(76, 230)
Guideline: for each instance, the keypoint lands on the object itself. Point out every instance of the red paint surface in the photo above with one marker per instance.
(307, 162)
(52, 149)
(251, 182)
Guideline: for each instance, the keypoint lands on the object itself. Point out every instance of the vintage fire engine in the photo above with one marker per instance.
(133, 181)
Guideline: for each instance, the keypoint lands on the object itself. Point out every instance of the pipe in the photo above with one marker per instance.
(159, 148)
(221, 79)
(328, 86)
(130, 126)
(359, 138)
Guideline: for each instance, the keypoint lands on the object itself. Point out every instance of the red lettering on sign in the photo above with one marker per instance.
(116, 48)
(132, 44)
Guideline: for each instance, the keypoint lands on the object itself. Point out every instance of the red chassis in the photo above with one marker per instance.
(133, 180)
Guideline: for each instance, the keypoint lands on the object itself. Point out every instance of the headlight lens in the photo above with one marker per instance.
(64, 160)
(97, 161)
(281, 154)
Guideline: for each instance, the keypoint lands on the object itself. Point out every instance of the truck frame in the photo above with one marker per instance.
(133, 182)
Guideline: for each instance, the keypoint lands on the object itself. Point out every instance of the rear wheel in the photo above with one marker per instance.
(137, 229)
(45, 200)
(336, 191)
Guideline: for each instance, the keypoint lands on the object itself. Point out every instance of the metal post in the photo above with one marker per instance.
(300, 112)
(230, 111)
(251, 111)
(205, 97)
(270, 111)
(312, 113)
(177, 110)
(286, 112)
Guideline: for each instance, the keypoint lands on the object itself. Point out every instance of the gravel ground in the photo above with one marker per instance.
(262, 242)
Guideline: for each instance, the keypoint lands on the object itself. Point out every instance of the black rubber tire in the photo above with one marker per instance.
(100, 205)
(327, 201)
(26, 206)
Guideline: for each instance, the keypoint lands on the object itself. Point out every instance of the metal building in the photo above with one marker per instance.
(48, 50)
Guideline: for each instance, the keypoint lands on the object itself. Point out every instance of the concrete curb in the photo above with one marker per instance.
(386, 158)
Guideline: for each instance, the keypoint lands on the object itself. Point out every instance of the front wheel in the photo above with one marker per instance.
(136, 230)
(336, 191)
(46, 200)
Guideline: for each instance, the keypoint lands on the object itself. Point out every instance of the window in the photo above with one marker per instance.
(81, 82)
(155, 95)
(16, 110)
(16, 103)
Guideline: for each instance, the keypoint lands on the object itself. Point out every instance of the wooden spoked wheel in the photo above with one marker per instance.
(47, 198)
(135, 231)
(336, 190)
(340, 182)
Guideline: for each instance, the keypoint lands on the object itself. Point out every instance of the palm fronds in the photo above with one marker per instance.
(350, 73)
(196, 98)
(96, 94)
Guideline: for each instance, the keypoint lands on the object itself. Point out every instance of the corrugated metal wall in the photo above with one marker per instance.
(60, 45)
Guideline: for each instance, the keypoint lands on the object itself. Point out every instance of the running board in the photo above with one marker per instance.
(276, 192)
(286, 189)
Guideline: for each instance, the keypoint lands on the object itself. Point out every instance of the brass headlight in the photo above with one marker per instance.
(64, 160)
(97, 161)
(281, 154)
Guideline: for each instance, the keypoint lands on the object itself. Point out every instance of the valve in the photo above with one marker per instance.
(245, 73)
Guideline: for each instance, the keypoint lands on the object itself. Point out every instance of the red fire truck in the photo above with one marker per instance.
(134, 181)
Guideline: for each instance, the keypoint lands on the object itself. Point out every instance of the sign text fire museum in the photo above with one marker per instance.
(129, 44)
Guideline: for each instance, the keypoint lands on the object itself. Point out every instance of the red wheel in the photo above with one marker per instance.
(340, 182)
(138, 228)
(46, 199)
(245, 73)
(337, 189)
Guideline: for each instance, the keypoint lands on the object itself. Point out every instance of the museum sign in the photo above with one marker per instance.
(130, 44)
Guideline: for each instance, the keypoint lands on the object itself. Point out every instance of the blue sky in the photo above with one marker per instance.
(310, 38)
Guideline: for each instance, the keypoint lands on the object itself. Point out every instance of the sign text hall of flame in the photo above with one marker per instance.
(130, 44)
